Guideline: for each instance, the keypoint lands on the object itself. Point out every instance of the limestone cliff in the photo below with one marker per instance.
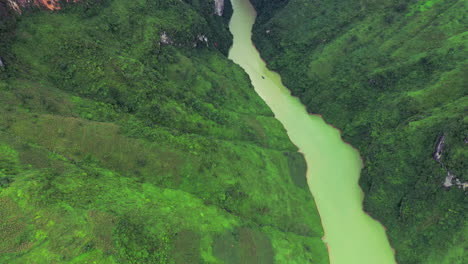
(19, 5)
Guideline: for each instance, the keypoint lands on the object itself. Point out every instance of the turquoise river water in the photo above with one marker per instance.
(351, 235)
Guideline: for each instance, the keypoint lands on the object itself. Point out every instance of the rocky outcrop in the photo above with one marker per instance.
(219, 7)
(450, 179)
(165, 39)
(19, 5)
(2, 64)
(439, 148)
(12, 4)
(203, 39)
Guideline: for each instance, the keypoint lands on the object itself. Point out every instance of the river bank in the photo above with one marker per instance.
(333, 166)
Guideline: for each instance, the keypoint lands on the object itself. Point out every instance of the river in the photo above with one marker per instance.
(351, 235)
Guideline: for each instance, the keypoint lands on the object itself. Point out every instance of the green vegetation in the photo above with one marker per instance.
(116, 148)
(392, 76)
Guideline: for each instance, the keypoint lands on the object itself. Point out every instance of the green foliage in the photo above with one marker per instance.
(390, 75)
(137, 245)
(121, 149)
(8, 161)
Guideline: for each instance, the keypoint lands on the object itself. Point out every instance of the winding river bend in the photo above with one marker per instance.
(334, 167)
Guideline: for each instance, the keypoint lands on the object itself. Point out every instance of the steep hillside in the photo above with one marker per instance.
(126, 136)
(392, 76)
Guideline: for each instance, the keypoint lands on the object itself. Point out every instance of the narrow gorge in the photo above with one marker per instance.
(160, 131)
(334, 167)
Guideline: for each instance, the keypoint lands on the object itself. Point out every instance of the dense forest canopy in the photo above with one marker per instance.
(392, 76)
(127, 136)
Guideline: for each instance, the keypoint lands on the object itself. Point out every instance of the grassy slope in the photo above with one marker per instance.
(116, 149)
(392, 76)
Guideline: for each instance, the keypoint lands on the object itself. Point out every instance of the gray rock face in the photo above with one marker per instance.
(202, 38)
(165, 39)
(19, 5)
(14, 6)
(219, 7)
(439, 148)
(2, 64)
(450, 179)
